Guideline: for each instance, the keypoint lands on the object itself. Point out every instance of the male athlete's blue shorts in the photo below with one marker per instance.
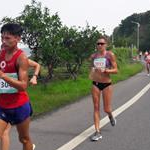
(16, 115)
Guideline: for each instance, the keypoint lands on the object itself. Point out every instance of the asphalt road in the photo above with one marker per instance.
(52, 131)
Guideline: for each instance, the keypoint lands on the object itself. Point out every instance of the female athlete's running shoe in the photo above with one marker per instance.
(96, 136)
(113, 121)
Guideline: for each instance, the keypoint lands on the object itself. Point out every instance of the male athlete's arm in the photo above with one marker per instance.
(22, 82)
(36, 67)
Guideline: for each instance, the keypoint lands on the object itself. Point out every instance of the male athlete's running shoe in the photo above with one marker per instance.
(96, 136)
(113, 121)
(33, 146)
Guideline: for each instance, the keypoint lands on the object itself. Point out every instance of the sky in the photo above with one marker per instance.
(105, 14)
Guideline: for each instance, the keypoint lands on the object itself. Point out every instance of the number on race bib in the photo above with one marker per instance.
(100, 63)
(5, 87)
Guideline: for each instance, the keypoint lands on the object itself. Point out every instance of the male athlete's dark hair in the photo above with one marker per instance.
(12, 28)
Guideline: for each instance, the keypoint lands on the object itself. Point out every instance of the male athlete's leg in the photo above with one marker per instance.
(24, 137)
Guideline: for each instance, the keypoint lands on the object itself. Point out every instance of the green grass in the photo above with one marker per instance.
(59, 93)
(127, 71)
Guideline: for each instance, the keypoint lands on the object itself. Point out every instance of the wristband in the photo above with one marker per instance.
(35, 75)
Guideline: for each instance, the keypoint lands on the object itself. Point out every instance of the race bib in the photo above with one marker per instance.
(100, 63)
(5, 87)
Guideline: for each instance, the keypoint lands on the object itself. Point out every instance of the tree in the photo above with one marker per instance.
(126, 33)
(40, 33)
(77, 47)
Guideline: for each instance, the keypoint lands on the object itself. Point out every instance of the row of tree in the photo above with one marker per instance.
(52, 43)
(126, 33)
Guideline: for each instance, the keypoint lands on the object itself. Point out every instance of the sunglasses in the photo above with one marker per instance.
(100, 43)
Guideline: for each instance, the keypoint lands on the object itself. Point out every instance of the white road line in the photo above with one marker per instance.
(88, 132)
